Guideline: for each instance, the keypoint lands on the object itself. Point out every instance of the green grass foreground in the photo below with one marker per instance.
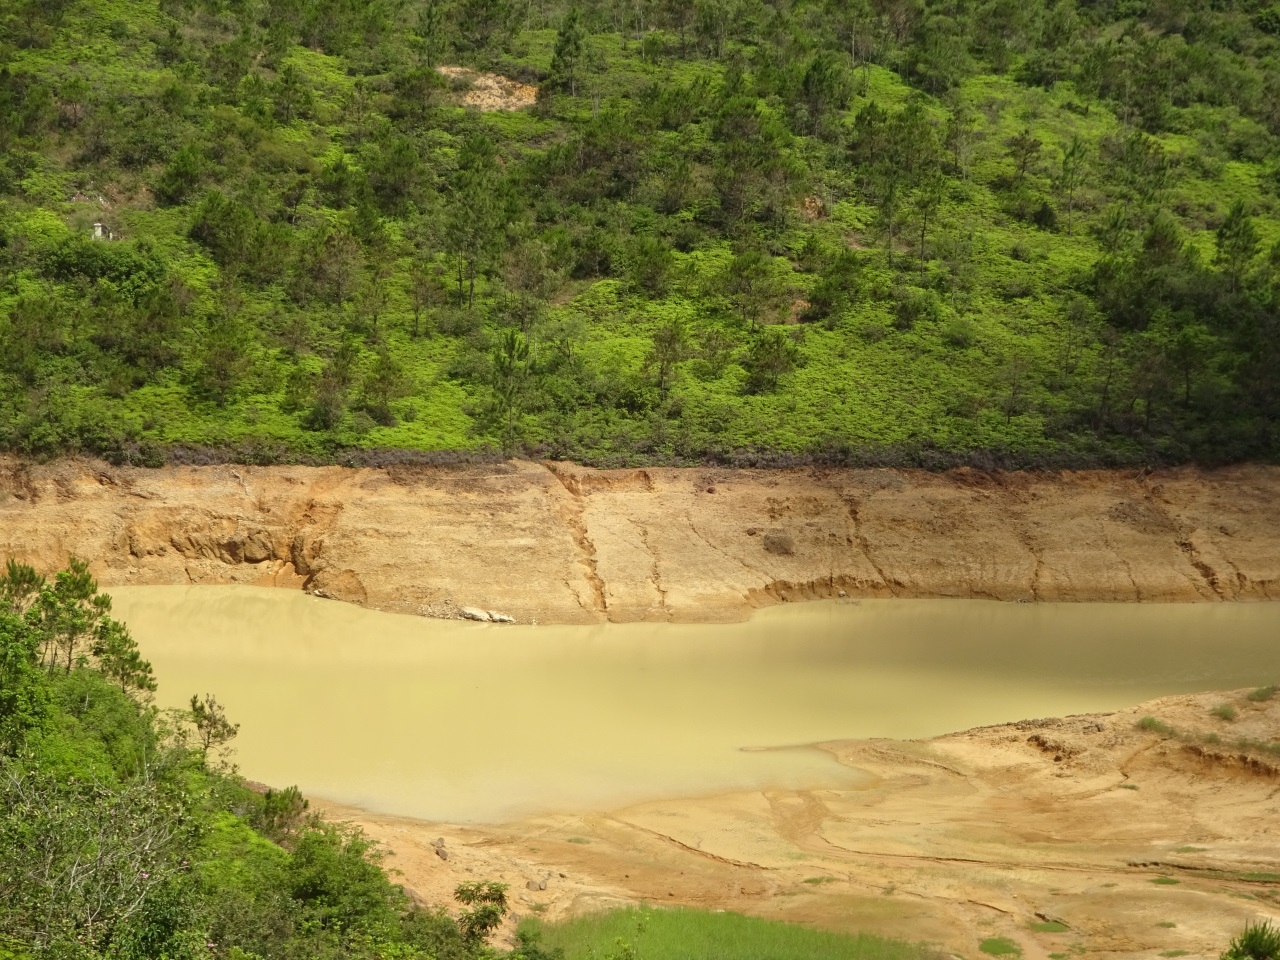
(683, 934)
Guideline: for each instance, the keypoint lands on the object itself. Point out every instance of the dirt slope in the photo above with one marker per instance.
(561, 543)
(1082, 835)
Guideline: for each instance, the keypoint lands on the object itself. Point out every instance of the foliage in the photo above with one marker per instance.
(658, 934)
(1260, 941)
(991, 238)
(118, 839)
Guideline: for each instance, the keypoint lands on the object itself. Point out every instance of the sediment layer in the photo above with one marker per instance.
(560, 543)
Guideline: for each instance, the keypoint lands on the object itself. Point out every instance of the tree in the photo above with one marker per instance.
(750, 284)
(771, 356)
(668, 349)
(486, 903)
(1071, 175)
(925, 205)
(20, 586)
(510, 368)
(888, 200)
(824, 87)
(213, 730)
(384, 383)
(566, 60)
(474, 215)
(119, 658)
(1024, 149)
(23, 695)
(1237, 244)
(424, 293)
(431, 31)
(69, 611)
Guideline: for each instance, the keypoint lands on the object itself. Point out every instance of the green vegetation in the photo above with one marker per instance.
(1174, 953)
(1263, 694)
(1166, 881)
(1260, 941)
(902, 231)
(1000, 947)
(1168, 924)
(659, 934)
(1152, 725)
(124, 835)
(1225, 712)
(1049, 926)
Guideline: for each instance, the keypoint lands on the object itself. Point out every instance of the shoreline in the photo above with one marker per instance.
(1071, 834)
(558, 543)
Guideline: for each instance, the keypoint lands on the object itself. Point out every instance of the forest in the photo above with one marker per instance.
(1028, 233)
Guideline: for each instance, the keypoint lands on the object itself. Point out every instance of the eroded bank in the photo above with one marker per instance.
(566, 544)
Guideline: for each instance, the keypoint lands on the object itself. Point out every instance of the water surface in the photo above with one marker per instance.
(475, 722)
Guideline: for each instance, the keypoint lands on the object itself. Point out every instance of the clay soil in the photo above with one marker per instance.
(564, 544)
(1083, 835)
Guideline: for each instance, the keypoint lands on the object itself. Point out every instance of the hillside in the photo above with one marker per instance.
(860, 231)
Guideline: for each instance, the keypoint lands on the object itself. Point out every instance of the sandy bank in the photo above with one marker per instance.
(560, 543)
(1077, 835)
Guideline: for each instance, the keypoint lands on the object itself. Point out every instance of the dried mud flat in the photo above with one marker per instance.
(1082, 835)
(563, 544)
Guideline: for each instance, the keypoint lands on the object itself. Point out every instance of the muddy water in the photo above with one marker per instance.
(470, 722)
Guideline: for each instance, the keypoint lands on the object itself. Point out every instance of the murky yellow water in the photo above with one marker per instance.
(476, 722)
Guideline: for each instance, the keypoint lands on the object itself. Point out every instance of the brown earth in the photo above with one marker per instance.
(566, 544)
(1115, 840)
(489, 91)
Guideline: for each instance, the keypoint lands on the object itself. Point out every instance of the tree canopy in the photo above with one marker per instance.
(735, 230)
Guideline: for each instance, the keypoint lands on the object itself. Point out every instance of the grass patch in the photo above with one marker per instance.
(1152, 725)
(819, 880)
(1174, 953)
(680, 934)
(1263, 694)
(1225, 712)
(1059, 956)
(578, 840)
(1190, 849)
(1000, 947)
(1167, 924)
(1165, 881)
(1128, 786)
(1261, 877)
(1049, 926)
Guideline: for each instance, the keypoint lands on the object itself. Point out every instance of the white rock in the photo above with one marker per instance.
(471, 613)
(500, 617)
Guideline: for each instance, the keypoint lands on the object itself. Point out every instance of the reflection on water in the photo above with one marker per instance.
(476, 722)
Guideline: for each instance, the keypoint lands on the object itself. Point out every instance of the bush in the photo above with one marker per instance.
(1224, 712)
(1152, 725)
(1263, 694)
(1260, 941)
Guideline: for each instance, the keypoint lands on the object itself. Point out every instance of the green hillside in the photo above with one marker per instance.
(852, 231)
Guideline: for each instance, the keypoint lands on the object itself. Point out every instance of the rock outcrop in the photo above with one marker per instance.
(560, 543)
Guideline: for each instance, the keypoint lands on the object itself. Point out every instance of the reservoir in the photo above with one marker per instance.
(467, 722)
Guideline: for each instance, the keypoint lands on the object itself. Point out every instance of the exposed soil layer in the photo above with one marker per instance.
(1068, 836)
(560, 543)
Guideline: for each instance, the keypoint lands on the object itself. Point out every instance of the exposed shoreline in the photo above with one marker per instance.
(559, 543)
(1069, 835)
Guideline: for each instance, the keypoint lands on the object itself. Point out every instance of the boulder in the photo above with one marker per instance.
(471, 613)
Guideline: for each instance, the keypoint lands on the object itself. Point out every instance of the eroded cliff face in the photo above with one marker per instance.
(560, 543)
